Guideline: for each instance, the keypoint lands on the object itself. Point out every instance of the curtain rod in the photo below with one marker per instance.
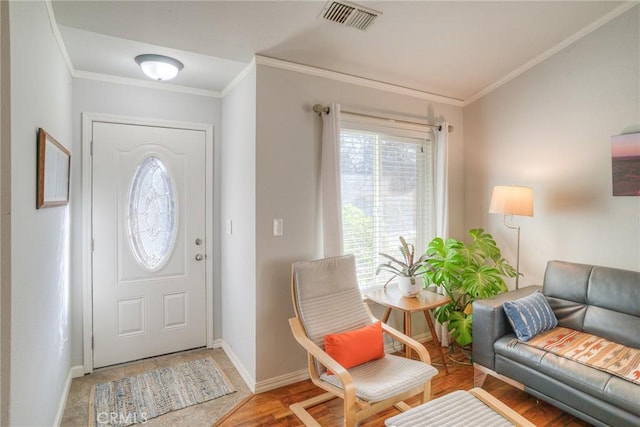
(319, 109)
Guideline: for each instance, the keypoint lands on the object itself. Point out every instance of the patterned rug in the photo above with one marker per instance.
(139, 398)
(591, 350)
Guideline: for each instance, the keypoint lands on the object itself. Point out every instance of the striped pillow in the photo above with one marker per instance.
(530, 315)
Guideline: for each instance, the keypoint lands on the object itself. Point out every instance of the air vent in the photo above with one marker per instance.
(349, 14)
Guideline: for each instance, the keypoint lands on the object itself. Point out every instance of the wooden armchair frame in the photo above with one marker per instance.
(355, 409)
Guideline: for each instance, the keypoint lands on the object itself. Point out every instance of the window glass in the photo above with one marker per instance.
(152, 214)
(386, 193)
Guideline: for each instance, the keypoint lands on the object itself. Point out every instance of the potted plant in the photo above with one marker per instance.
(409, 270)
(466, 272)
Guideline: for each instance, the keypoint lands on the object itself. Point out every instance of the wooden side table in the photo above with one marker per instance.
(424, 302)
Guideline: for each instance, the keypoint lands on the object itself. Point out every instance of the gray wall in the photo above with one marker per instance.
(238, 195)
(551, 129)
(40, 268)
(287, 186)
(5, 215)
(109, 98)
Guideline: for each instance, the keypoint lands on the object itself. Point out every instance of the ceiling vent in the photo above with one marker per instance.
(349, 14)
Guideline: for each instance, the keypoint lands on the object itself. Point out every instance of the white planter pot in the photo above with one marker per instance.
(409, 289)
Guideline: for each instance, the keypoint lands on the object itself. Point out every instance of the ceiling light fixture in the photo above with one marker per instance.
(159, 67)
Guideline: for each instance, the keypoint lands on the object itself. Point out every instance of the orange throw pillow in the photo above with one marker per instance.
(356, 347)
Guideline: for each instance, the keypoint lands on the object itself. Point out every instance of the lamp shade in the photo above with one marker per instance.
(159, 67)
(512, 200)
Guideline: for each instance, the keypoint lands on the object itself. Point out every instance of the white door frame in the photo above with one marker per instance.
(87, 185)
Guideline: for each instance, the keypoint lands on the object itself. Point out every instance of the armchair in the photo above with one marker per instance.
(327, 300)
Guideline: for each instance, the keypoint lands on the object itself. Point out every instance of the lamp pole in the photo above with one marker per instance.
(512, 200)
(515, 227)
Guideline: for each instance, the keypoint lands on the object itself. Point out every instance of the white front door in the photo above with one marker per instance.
(148, 227)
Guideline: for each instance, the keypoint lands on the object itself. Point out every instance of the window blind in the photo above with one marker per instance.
(387, 192)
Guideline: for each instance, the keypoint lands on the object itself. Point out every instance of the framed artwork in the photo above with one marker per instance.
(625, 164)
(54, 165)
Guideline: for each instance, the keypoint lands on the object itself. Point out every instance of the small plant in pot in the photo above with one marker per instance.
(466, 272)
(409, 270)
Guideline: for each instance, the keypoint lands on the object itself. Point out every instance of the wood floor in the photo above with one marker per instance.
(272, 408)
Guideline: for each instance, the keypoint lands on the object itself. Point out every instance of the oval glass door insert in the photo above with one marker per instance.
(152, 214)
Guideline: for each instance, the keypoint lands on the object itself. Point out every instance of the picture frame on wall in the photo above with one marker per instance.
(54, 167)
(625, 164)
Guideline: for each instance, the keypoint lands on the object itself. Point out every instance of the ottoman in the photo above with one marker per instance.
(461, 408)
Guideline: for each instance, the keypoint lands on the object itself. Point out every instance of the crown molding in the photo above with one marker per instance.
(555, 49)
(355, 80)
(58, 36)
(333, 75)
(237, 79)
(149, 84)
(108, 78)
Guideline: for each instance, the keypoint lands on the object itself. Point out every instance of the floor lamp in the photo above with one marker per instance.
(511, 200)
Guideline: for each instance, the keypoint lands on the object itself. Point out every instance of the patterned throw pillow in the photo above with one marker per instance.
(530, 315)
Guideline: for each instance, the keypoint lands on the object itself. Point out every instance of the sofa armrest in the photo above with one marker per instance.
(490, 323)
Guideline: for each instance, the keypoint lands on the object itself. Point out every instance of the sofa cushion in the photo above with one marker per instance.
(565, 286)
(615, 289)
(567, 280)
(592, 409)
(598, 300)
(613, 311)
(530, 315)
(617, 327)
(598, 384)
(591, 350)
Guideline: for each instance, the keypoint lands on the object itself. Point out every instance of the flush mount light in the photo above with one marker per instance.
(159, 67)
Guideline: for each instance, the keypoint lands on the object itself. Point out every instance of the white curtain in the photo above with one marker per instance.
(330, 180)
(442, 203)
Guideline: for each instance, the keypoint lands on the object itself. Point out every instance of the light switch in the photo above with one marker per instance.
(229, 226)
(278, 227)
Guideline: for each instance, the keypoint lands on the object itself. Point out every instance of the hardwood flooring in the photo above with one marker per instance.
(272, 408)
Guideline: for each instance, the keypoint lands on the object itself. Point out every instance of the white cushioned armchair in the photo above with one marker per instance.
(327, 300)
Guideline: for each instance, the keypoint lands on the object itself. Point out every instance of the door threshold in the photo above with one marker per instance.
(133, 362)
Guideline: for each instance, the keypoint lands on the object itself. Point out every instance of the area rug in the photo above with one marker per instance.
(139, 398)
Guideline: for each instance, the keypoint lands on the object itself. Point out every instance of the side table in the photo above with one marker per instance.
(426, 301)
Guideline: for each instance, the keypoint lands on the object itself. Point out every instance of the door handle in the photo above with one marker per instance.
(199, 257)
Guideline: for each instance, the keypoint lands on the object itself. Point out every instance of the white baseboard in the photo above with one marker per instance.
(74, 372)
(290, 378)
(246, 377)
(262, 386)
(282, 380)
(303, 374)
(393, 346)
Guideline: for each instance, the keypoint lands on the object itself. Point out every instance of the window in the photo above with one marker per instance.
(386, 193)
(152, 214)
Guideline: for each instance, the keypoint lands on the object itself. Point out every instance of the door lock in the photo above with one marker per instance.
(198, 241)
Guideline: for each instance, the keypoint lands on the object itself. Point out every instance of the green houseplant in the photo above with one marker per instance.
(409, 269)
(466, 272)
